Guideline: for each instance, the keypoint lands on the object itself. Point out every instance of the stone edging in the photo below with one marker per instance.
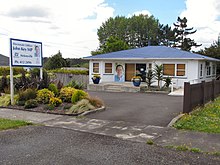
(174, 120)
(53, 113)
(92, 111)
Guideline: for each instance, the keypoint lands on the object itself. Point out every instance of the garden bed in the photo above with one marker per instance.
(61, 110)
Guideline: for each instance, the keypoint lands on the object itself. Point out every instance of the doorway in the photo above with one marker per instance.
(129, 71)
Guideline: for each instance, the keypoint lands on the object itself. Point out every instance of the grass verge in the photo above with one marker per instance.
(205, 119)
(8, 124)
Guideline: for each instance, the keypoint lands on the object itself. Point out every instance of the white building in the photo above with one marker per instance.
(181, 66)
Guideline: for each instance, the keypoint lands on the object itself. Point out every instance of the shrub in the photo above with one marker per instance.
(49, 107)
(78, 95)
(5, 100)
(168, 81)
(96, 102)
(27, 94)
(55, 101)
(77, 72)
(66, 94)
(81, 106)
(6, 70)
(4, 83)
(59, 85)
(44, 95)
(75, 84)
(32, 103)
(53, 88)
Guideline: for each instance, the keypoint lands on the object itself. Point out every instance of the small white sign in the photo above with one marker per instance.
(26, 53)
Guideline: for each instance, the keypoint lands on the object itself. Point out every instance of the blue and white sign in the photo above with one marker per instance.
(26, 53)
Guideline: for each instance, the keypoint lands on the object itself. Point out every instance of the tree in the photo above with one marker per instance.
(56, 61)
(181, 33)
(149, 78)
(158, 74)
(112, 44)
(136, 31)
(212, 51)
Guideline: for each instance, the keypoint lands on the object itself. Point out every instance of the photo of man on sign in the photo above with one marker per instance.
(119, 76)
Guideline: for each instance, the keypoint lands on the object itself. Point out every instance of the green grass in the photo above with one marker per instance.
(150, 142)
(8, 124)
(206, 119)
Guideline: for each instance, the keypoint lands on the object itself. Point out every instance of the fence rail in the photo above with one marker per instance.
(199, 94)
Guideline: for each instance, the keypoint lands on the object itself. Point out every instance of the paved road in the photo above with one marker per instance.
(150, 109)
(39, 145)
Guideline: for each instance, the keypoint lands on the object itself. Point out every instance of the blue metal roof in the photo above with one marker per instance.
(152, 52)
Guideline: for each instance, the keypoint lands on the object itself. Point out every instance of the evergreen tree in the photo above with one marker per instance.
(181, 33)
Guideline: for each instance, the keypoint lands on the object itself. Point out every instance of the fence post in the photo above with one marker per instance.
(187, 98)
(203, 93)
(213, 90)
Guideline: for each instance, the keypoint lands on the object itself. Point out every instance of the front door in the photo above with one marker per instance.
(129, 71)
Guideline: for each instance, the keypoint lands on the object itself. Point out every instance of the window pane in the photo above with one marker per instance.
(180, 73)
(180, 66)
(95, 67)
(108, 67)
(169, 69)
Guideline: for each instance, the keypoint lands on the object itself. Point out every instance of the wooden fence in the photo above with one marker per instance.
(199, 94)
(65, 78)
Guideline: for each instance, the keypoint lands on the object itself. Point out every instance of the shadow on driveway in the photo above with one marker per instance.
(149, 109)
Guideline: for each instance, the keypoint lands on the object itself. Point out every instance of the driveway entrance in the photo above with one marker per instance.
(149, 109)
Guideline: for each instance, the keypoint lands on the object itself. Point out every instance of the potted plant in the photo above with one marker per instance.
(96, 78)
(136, 80)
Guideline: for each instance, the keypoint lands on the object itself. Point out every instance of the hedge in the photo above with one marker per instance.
(6, 70)
(77, 72)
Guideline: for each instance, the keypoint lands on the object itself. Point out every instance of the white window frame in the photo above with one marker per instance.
(201, 70)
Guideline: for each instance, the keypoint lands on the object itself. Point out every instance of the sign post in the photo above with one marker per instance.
(24, 53)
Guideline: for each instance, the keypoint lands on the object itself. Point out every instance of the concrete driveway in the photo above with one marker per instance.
(150, 109)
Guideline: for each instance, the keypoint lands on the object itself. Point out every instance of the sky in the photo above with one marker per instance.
(71, 26)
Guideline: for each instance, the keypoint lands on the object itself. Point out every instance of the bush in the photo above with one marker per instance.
(168, 82)
(55, 101)
(5, 100)
(49, 107)
(81, 106)
(44, 95)
(66, 94)
(32, 103)
(77, 72)
(96, 102)
(4, 84)
(53, 88)
(27, 95)
(78, 95)
(75, 84)
(6, 70)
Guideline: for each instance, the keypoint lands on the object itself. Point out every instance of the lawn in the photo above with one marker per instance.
(205, 119)
(8, 124)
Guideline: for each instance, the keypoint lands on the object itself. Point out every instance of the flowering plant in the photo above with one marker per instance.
(136, 78)
(95, 76)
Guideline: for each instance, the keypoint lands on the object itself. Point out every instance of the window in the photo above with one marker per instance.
(95, 67)
(174, 69)
(169, 69)
(213, 70)
(201, 70)
(180, 71)
(208, 70)
(108, 67)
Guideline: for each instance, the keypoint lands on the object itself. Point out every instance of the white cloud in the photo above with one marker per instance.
(205, 17)
(68, 26)
(144, 12)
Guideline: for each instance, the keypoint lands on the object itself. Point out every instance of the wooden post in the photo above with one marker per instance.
(203, 93)
(187, 98)
(213, 90)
